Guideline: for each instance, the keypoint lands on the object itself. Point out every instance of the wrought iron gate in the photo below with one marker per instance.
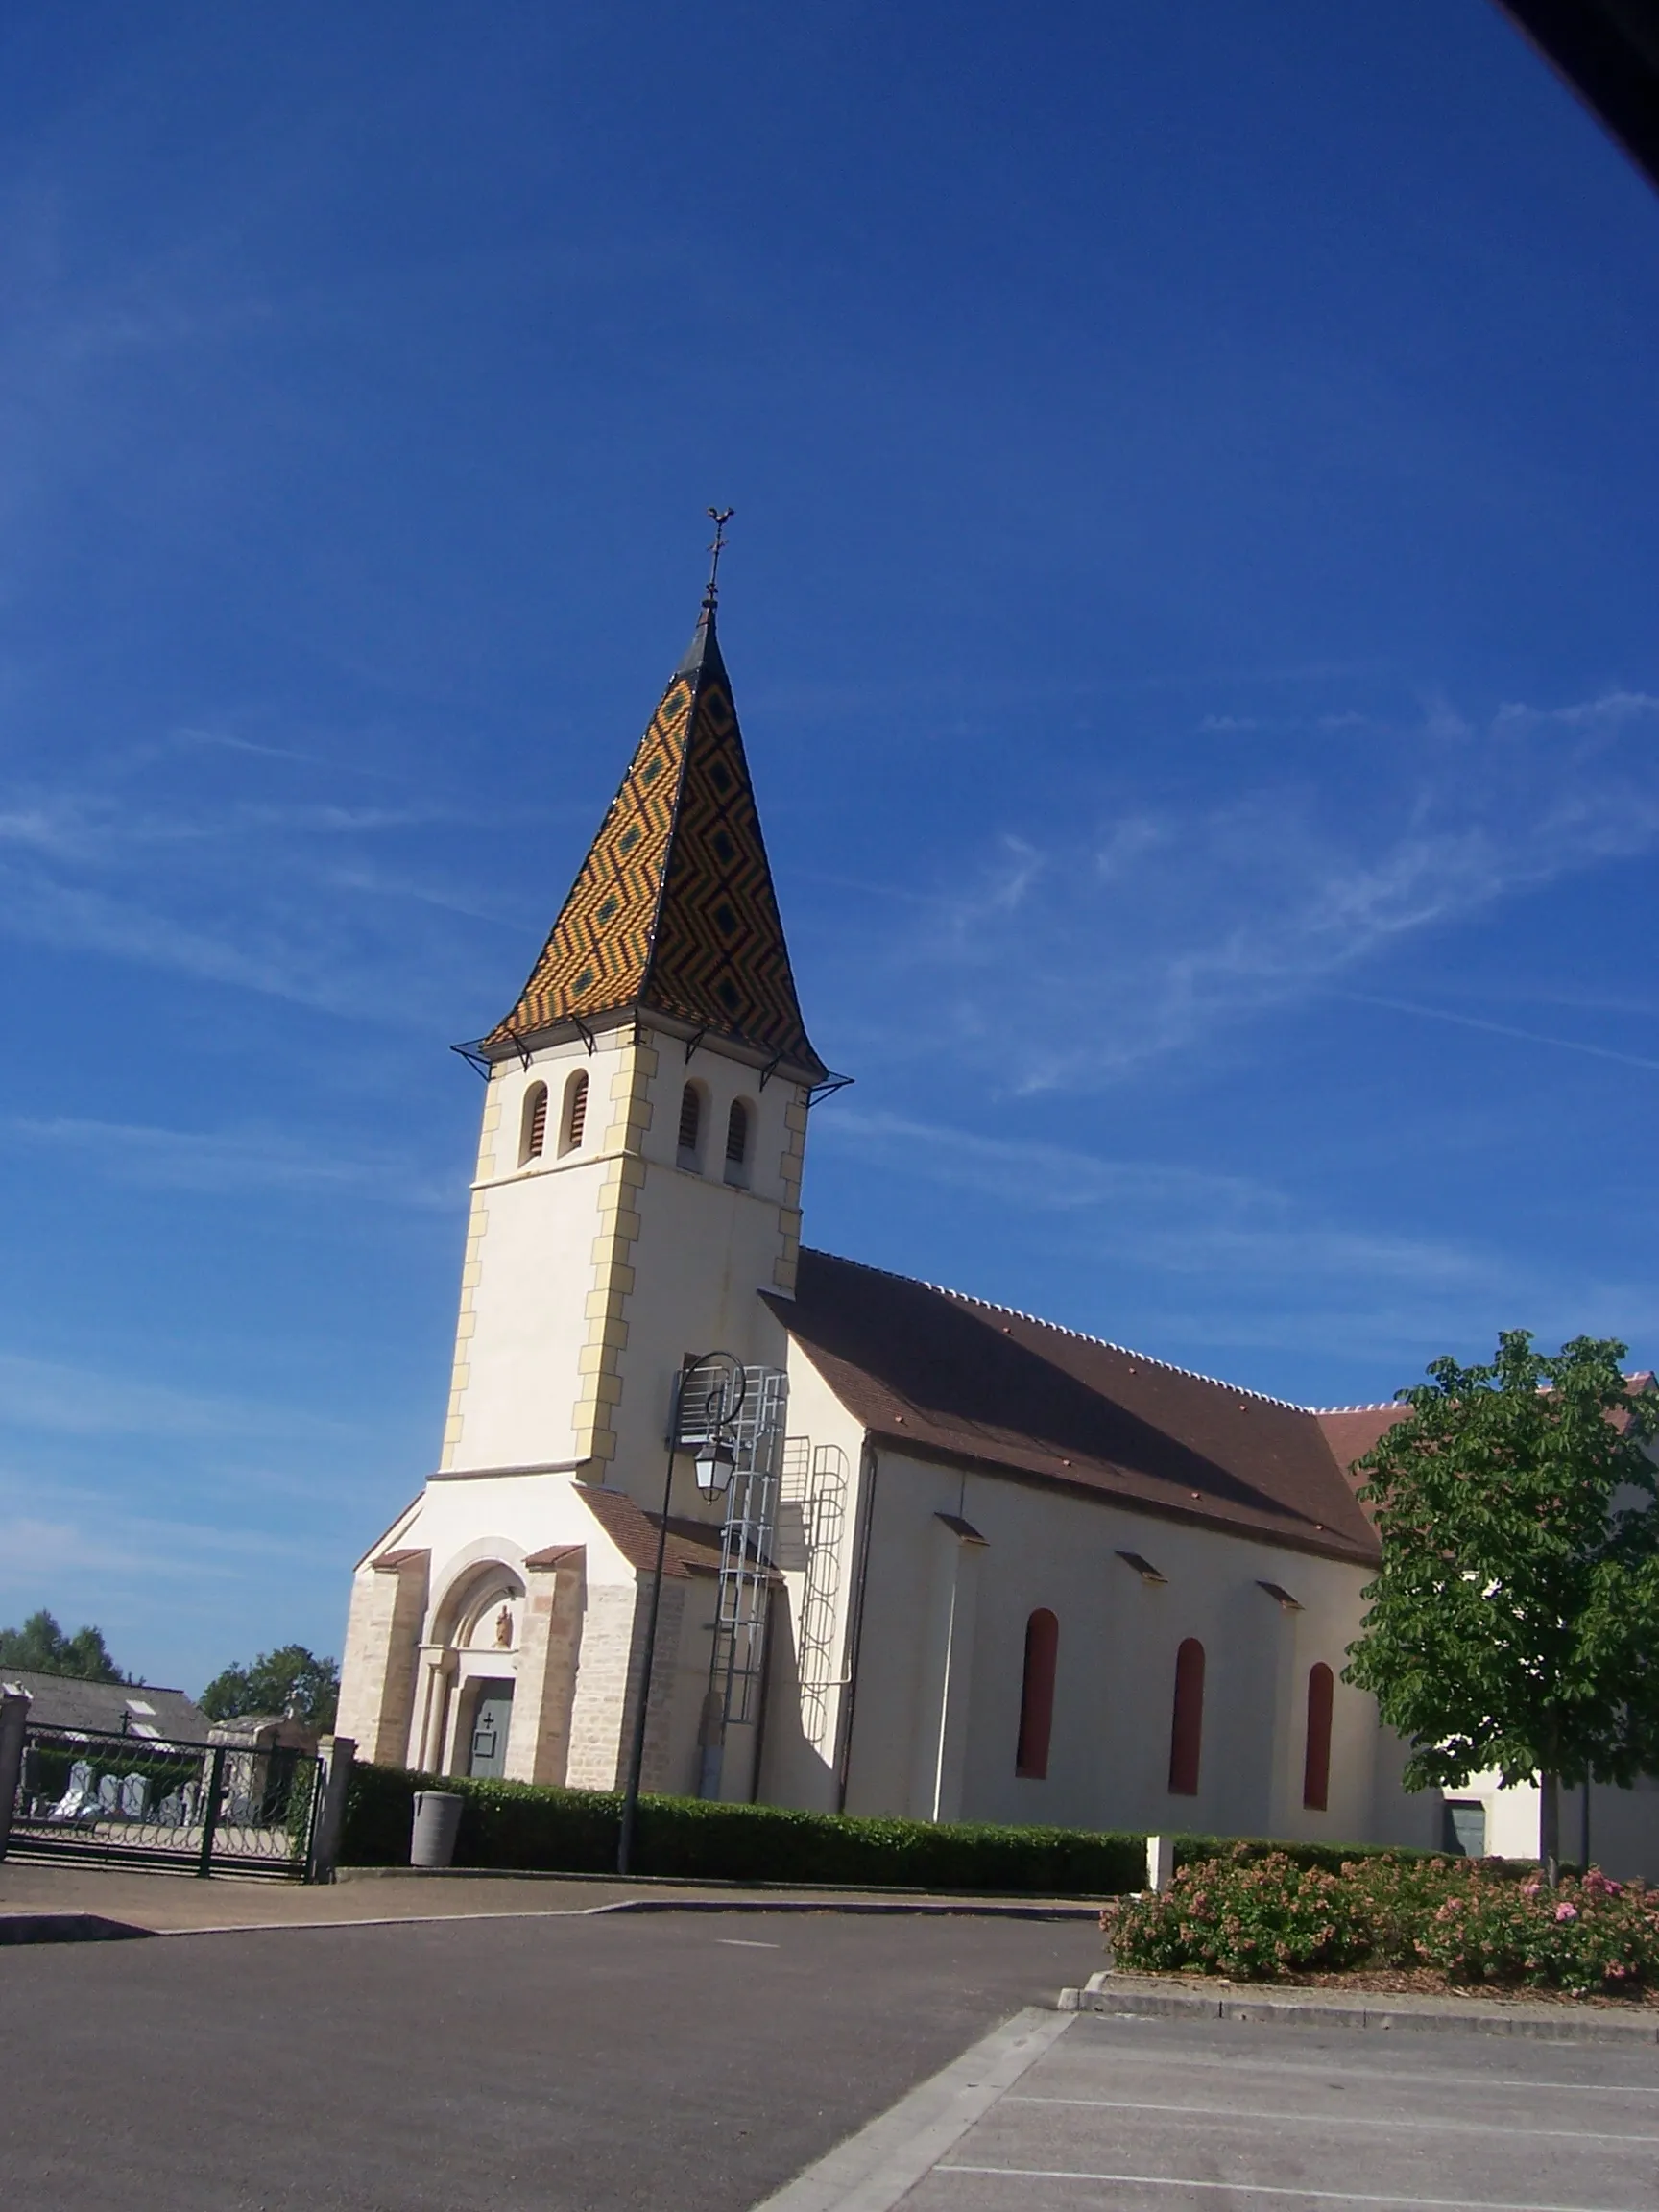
(135, 1801)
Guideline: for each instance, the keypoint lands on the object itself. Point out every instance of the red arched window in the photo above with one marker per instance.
(1187, 1728)
(1317, 1766)
(1037, 1697)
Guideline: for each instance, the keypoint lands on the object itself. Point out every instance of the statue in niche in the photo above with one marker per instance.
(504, 1627)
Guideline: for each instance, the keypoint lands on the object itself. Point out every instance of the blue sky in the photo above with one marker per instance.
(1192, 609)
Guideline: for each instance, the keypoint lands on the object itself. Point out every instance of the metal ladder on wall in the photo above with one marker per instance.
(737, 1662)
(814, 1486)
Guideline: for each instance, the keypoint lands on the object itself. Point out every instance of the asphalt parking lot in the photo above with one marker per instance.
(694, 2063)
(1165, 2116)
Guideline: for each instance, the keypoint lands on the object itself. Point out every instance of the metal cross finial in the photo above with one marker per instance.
(719, 517)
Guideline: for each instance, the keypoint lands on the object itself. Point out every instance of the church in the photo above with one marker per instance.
(921, 1556)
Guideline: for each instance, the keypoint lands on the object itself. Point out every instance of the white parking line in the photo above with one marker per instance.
(1337, 2119)
(746, 1943)
(1271, 2189)
(883, 2162)
(1526, 2083)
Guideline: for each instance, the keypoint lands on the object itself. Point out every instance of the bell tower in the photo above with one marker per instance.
(639, 1174)
(637, 1202)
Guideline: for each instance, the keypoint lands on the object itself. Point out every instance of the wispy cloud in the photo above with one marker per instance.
(1497, 1028)
(70, 1400)
(1179, 1219)
(1052, 1177)
(107, 1540)
(1298, 1280)
(231, 1162)
(303, 896)
(1150, 934)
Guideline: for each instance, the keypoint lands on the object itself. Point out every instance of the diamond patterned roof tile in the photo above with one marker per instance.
(674, 908)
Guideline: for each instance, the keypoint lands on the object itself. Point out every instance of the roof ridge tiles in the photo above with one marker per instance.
(1083, 1336)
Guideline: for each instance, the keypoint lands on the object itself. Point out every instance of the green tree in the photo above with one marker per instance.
(42, 1648)
(290, 1681)
(1515, 1622)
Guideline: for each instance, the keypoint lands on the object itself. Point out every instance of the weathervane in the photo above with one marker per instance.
(719, 517)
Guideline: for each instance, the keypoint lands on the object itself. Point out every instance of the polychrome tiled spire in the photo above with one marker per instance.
(674, 910)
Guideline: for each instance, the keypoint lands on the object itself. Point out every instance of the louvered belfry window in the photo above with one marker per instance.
(690, 1117)
(535, 1124)
(575, 1109)
(738, 1133)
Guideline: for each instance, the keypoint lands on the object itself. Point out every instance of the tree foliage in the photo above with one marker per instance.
(42, 1648)
(290, 1681)
(1515, 1622)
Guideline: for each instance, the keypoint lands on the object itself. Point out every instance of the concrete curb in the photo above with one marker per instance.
(936, 1909)
(1120, 1996)
(66, 1928)
(1072, 1908)
(91, 1927)
(883, 2162)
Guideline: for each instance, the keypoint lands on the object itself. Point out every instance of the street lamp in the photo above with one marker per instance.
(717, 1463)
(708, 1394)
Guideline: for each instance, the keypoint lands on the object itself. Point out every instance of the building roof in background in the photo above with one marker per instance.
(674, 910)
(943, 1375)
(1351, 1431)
(111, 1708)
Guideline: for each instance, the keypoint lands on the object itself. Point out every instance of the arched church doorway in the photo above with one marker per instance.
(476, 1630)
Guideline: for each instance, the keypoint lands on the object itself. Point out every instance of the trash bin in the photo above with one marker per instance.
(437, 1819)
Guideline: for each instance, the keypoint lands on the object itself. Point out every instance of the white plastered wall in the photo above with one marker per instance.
(704, 1249)
(691, 1250)
(1624, 1823)
(589, 1274)
(1109, 1756)
(801, 1739)
(525, 1281)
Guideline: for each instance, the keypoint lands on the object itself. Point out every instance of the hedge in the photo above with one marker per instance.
(520, 1826)
(1311, 1857)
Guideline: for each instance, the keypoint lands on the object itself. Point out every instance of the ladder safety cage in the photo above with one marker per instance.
(814, 1490)
(738, 1657)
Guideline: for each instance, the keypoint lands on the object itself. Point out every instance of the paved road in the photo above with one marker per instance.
(691, 2064)
(1165, 2116)
(171, 1902)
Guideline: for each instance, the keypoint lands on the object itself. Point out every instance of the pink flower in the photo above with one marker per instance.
(1566, 1912)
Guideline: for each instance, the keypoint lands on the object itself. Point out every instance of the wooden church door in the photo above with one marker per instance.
(490, 1723)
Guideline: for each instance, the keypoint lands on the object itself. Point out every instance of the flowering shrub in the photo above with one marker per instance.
(1250, 1917)
(1256, 1917)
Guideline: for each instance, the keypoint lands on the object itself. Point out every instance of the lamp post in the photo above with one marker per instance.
(722, 1396)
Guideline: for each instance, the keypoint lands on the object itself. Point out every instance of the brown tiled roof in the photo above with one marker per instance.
(555, 1556)
(946, 1377)
(674, 910)
(693, 1546)
(1351, 1431)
